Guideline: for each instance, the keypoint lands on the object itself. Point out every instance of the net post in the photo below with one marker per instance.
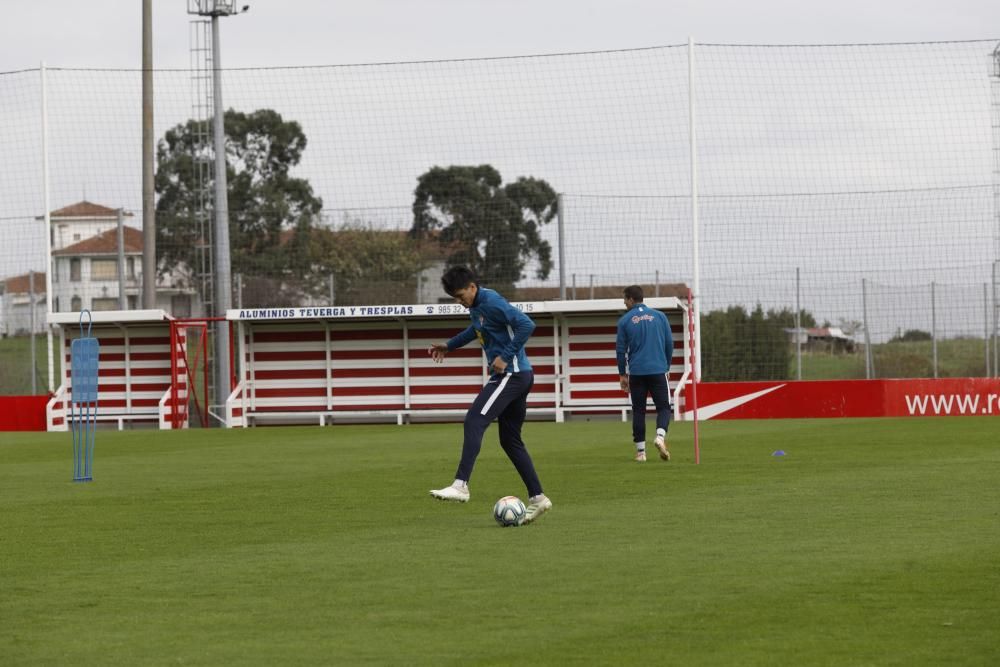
(695, 376)
(84, 374)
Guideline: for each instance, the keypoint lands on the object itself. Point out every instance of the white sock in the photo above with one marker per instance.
(661, 433)
(640, 446)
(460, 484)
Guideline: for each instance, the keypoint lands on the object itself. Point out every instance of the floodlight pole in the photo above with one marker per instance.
(221, 254)
(223, 289)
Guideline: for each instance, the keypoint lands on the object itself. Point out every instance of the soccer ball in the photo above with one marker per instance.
(509, 511)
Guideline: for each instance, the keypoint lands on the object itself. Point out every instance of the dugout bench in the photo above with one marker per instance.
(142, 375)
(325, 365)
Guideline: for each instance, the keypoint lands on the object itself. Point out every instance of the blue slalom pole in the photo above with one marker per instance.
(84, 359)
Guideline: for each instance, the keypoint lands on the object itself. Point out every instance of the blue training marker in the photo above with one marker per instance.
(84, 356)
(778, 452)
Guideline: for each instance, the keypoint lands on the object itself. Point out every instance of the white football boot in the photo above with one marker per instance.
(458, 491)
(537, 506)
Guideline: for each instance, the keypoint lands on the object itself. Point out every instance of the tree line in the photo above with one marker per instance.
(461, 214)
(738, 345)
(284, 250)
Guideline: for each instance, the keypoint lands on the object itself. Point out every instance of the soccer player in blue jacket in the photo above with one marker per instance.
(502, 330)
(645, 344)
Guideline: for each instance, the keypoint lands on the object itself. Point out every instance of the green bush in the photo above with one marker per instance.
(744, 346)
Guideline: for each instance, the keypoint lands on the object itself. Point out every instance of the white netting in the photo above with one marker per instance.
(836, 164)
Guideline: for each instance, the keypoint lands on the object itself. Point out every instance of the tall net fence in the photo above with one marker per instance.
(838, 188)
(846, 181)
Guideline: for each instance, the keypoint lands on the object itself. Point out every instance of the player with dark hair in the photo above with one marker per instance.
(645, 344)
(502, 330)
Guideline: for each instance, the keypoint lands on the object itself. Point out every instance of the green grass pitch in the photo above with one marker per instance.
(872, 542)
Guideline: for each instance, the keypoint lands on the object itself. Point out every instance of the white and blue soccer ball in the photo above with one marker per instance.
(509, 511)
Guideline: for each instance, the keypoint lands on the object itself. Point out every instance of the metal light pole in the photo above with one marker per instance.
(223, 291)
(223, 279)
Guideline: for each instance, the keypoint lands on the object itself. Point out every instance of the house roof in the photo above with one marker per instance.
(86, 209)
(106, 244)
(22, 284)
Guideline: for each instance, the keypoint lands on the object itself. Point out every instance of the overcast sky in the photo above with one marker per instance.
(107, 33)
(871, 123)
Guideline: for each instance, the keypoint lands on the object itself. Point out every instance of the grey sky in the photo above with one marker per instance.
(106, 33)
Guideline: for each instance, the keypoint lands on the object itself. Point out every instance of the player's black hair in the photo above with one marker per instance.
(634, 292)
(456, 278)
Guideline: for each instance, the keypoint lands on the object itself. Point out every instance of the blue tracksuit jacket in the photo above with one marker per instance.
(501, 328)
(644, 341)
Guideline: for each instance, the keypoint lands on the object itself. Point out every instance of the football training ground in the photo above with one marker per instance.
(871, 542)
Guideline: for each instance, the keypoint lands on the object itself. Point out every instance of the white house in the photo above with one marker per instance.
(80, 221)
(85, 265)
(16, 297)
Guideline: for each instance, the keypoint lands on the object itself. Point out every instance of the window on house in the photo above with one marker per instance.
(131, 268)
(74, 271)
(103, 269)
(76, 304)
(104, 303)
